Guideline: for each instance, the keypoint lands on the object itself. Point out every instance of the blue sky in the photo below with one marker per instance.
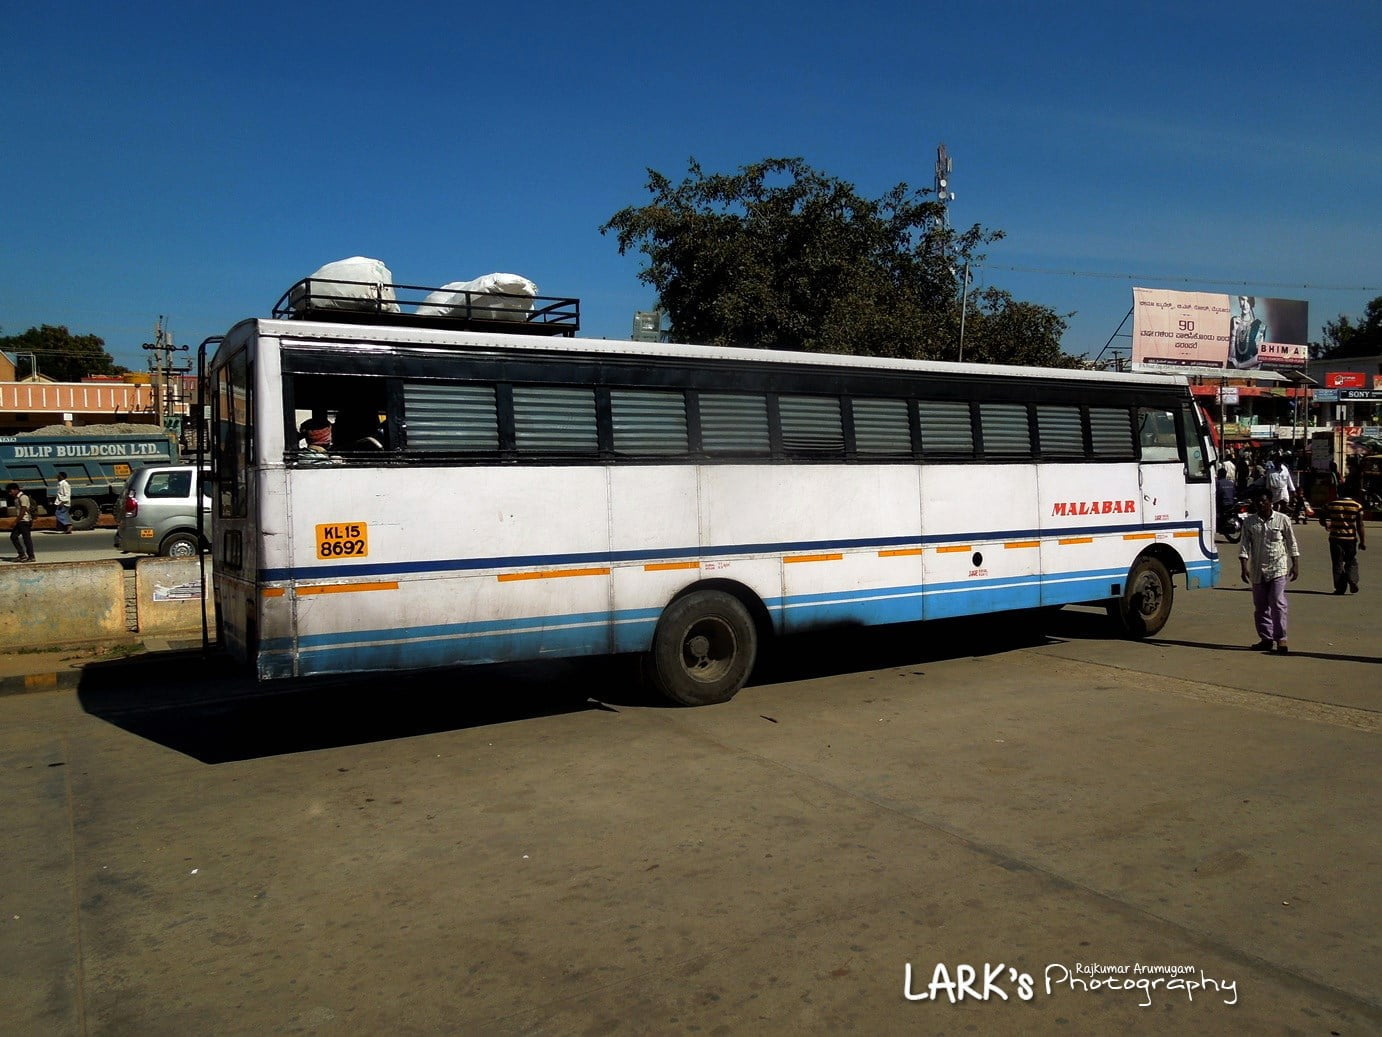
(194, 160)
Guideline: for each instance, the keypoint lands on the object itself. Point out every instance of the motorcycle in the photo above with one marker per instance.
(1231, 521)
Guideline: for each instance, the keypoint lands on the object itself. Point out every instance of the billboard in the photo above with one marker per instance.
(1346, 380)
(1204, 329)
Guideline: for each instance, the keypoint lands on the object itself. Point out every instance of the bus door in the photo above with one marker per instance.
(233, 550)
(1161, 474)
(1200, 457)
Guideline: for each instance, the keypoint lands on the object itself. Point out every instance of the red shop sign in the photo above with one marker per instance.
(1345, 380)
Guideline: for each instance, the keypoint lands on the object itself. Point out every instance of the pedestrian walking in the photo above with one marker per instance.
(1343, 517)
(22, 536)
(63, 504)
(1270, 558)
(1280, 483)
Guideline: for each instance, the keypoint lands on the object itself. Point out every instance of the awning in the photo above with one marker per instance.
(1217, 373)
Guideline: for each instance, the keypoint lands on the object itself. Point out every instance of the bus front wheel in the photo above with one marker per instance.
(703, 649)
(1145, 605)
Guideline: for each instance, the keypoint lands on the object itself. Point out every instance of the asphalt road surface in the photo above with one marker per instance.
(77, 546)
(1175, 836)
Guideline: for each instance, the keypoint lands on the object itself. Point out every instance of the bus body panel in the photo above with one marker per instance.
(655, 540)
(478, 562)
(1201, 559)
(437, 556)
(969, 517)
(410, 603)
(824, 553)
(1086, 512)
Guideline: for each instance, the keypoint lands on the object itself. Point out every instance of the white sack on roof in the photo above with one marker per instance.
(491, 297)
(374, 285)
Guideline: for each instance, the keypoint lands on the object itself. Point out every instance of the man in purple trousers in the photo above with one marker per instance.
(1270, 559)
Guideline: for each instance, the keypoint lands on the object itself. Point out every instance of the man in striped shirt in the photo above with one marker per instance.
(1270, 558)
(1344, 520)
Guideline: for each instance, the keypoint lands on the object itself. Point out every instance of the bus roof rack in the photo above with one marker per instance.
(362, 302)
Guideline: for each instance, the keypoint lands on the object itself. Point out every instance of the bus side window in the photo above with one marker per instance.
(1156, 432)
(811, 426)
(451, 418)
(946, 428)
(734, 424)
(1060, 431)
(1110, 434)
(649, 422)
(881, 428)
(554, 420)
(1006, 430)
(359, 428)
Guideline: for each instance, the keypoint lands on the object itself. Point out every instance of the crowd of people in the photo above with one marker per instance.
(1287, 477)
(1269, 554)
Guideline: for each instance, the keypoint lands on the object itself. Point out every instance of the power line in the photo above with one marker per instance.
(1187, 280)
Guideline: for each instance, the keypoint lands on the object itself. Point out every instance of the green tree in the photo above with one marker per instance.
(1344, 339)
(1002, 330)
(61, 355)
(780, 255)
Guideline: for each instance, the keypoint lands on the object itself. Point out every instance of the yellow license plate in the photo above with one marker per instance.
(122, 470)
(343, 540)
(146, 534)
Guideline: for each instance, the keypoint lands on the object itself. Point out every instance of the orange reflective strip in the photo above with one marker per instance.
(1186, 533)
(813, 558)
(659, 567)
(272, 592)
(345, 588)
(1014, 545)
(553, 574)
(953, 549)
(1077, 540)
(1139, 536)
(899, 552)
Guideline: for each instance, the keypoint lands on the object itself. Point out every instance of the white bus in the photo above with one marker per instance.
(494, 496)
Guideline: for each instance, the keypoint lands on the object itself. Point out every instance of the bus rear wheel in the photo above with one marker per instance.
(703, 649)
(1147, 597)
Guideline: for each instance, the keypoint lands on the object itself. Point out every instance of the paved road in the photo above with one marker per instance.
(77, 546)
(539, 849)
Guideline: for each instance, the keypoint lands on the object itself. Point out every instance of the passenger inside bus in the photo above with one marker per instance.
(316, 431)
(333, 415)
(359, 428)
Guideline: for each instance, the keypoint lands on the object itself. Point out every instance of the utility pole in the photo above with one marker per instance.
(964, 306)
(161, 369)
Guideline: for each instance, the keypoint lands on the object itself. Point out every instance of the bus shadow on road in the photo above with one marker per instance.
(190, 703)
(840, 650)
(201, 706)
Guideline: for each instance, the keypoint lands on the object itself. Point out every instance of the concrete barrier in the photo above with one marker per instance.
(61, 603)
(166, 595)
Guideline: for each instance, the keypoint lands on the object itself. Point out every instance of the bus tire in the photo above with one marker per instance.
(84, 512)
(1145, 605)
(703, 649)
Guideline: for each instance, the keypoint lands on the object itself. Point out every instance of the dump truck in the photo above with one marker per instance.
(96, 466)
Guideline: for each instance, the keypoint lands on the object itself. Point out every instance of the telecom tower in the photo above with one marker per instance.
(943, 193)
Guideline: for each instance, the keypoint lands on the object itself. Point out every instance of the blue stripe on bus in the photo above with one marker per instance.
(341, 571)
(631, 630)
